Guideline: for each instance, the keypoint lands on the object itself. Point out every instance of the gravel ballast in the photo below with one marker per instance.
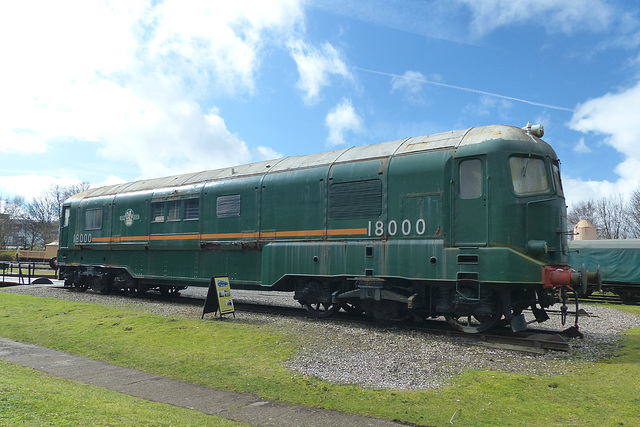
(388, 357)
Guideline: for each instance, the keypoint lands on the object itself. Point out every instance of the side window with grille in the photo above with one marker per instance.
(228, 206)
(191, 209)
(157, 212)
(173, 210)
(93, 219)
(356, 199)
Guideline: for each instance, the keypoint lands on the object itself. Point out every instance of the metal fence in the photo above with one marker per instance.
(26, 271)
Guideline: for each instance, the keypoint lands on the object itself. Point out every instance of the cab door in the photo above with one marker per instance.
(469, 213)
(65, 219)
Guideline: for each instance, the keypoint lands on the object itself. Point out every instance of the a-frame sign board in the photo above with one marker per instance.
(219, 298)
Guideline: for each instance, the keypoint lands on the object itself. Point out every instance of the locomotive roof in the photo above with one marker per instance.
(438, 141)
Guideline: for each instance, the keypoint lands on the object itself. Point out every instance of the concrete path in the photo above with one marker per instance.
(246, 408)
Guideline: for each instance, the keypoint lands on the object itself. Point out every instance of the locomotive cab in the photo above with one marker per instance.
(508, 227)
(509, 194)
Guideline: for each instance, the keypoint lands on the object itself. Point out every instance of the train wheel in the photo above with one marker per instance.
(353, 307)
(134, 291)
(629, 298)
(474, 324)
(169, 291)
(81, 287)
(322, 309)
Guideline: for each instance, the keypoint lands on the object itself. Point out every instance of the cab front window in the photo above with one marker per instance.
(66, 214)
(529, 175)
(557, 180)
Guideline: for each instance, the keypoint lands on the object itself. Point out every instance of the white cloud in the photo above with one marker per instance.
(52, 61)
(265, 153)
(554, 15)
(614, 116)
(220, 42)
(340, 120)
(487, 105)
(316, 67)
(133, 77)
(426, 18)
(410, 84)
(466, 20)
(170, 136)
(578, 190)
(111, 180)
(411, 81)
(581, 147)
(31, 185)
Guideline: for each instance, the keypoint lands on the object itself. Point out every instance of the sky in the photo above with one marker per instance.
(108, 92)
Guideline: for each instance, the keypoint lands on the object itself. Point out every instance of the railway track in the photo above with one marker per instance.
(603, 299)
(532, 340)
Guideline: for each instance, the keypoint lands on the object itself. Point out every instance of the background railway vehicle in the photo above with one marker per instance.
(620, 263)
(468, 224)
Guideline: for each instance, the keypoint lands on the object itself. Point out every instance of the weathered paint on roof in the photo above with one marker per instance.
(445, 140)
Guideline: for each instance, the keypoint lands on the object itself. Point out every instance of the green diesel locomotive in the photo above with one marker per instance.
(468, 224)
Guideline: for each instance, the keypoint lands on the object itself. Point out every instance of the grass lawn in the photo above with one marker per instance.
(32, 398)
(248, 358)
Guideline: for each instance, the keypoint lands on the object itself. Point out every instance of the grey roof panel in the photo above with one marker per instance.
(308, 161)
(437, 141)
(361, 152)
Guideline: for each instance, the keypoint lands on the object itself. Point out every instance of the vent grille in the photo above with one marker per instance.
(358, 199)
(467, 259)
(228, 206)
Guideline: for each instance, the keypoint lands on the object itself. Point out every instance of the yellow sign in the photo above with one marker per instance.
(225, 299)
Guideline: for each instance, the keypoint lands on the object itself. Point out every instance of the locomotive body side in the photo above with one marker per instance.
(468, 224)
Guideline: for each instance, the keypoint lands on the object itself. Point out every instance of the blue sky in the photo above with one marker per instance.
(108, 92)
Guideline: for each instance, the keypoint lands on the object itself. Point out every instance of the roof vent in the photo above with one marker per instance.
(535, 130)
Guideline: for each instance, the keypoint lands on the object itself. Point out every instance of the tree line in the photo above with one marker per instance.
(31, 225)
(614, 217)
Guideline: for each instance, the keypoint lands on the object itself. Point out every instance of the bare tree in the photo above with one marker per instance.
(583, 210)
(614, 219)
(57, 195)
(42, 221)
(10, 213)
(44, 212)
(610, 215)
(634, 214)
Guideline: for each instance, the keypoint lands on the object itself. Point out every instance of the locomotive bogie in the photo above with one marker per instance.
(454, 224)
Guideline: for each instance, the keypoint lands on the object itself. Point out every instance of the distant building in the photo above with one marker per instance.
(584, 230)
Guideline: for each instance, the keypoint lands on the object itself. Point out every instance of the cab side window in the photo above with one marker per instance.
(470, 179)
